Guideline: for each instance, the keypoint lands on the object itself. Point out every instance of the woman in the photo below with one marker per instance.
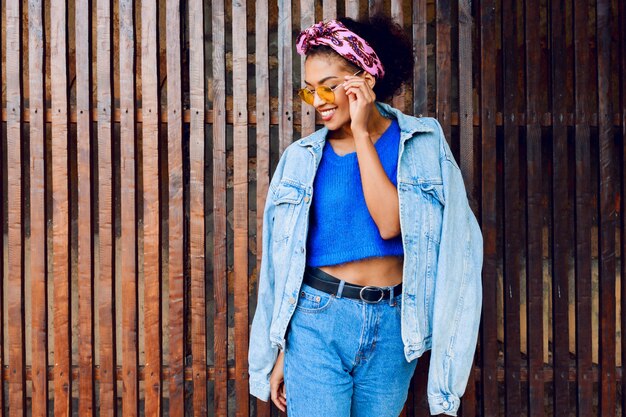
(371, 254)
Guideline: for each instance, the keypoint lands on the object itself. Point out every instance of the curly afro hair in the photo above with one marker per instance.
(392, 45)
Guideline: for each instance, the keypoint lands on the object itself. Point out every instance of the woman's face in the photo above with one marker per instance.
(329, 72)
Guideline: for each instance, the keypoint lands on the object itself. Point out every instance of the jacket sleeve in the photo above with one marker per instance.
(458, 292)
(262, 353)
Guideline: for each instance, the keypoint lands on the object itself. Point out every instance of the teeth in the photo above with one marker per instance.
(327, 112)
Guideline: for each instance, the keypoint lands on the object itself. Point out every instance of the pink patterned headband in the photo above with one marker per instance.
(345, 42)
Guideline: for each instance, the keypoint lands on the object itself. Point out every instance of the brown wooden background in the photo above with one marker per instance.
(138, 140)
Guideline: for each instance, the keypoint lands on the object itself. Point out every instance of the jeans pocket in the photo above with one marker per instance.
(312, 300)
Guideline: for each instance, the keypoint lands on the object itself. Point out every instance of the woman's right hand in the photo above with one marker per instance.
(277, 383)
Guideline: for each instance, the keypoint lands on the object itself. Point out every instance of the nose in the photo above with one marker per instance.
(317, 101)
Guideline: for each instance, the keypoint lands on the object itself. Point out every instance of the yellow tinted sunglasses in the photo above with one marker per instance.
(324, 92)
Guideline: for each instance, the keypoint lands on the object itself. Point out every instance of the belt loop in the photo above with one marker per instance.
(340, 289)
(392, 300)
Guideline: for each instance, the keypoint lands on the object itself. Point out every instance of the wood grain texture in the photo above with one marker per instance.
(513, 240)
(606, 213)
(37, 238)
(420, 56)
(398, 16)
(128, 240)
(263, 133)
(534, 209)
(375, 6)
(622, 110)
(285, 76)
(352, 9)
(489, 210)
(582, 216)
(151, 232)
(240, 206)
(329, 9)
(105, 273)
(86, 401)
(561, 214)
(14, 292)
(196, 206)
(175, 207)
(443, 52)
(308, 112)
(220, 283)
(60, 210)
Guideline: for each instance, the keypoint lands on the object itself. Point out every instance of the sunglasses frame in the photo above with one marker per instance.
(324, 88)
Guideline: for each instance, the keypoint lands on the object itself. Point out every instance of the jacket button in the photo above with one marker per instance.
(306, 199)
(445, 404)
(292, 300)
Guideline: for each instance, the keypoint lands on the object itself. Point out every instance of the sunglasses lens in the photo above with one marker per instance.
(306, 95)
(326, 94)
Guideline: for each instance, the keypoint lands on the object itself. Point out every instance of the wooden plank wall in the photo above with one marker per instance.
(138, 141)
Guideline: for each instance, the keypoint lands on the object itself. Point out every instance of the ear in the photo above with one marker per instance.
(370, 79)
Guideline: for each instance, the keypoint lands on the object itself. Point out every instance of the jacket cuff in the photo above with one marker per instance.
(260, 389)
(444, 404)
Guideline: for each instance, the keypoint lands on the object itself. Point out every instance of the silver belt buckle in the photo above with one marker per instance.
(382, 294)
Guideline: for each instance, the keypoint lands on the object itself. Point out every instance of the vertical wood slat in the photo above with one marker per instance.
(352, 9)
(443, 51)
(329, 9)
(512, 229)
(606, 213)
(375, 7)
(420, 75)
(37, 236)
(3, 214)
(128, 238)
(105, 286)
(466, 158)
(151, 232)
(561, 214)
(489, 332)
(240, 211)
(263, 134)
(86, 404)
(15, 287)
(285, 77)
(398, 17)
(196, 206)
(582, 219)
(60, 210)
(622, 110)
(534, 254)
(307, 18)
(175, 204)
(220, 289)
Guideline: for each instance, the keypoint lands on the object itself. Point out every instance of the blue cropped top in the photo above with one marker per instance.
(341, 228)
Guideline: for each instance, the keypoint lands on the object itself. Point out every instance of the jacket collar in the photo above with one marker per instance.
(408, 126)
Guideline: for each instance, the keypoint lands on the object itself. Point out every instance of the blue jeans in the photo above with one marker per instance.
(345, 357)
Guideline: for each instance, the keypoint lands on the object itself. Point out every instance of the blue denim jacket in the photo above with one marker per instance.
(443, 253)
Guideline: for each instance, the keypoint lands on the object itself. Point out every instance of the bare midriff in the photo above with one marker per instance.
(380, 271)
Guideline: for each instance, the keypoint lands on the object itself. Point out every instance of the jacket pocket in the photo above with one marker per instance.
(433, 187)
(287, 199)
(433, 196)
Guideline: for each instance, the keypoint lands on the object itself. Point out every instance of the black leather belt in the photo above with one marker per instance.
(322, 281)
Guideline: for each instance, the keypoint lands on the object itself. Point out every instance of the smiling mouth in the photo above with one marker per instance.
(326, 114)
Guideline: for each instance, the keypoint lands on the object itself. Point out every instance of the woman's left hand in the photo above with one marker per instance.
(362, 98)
